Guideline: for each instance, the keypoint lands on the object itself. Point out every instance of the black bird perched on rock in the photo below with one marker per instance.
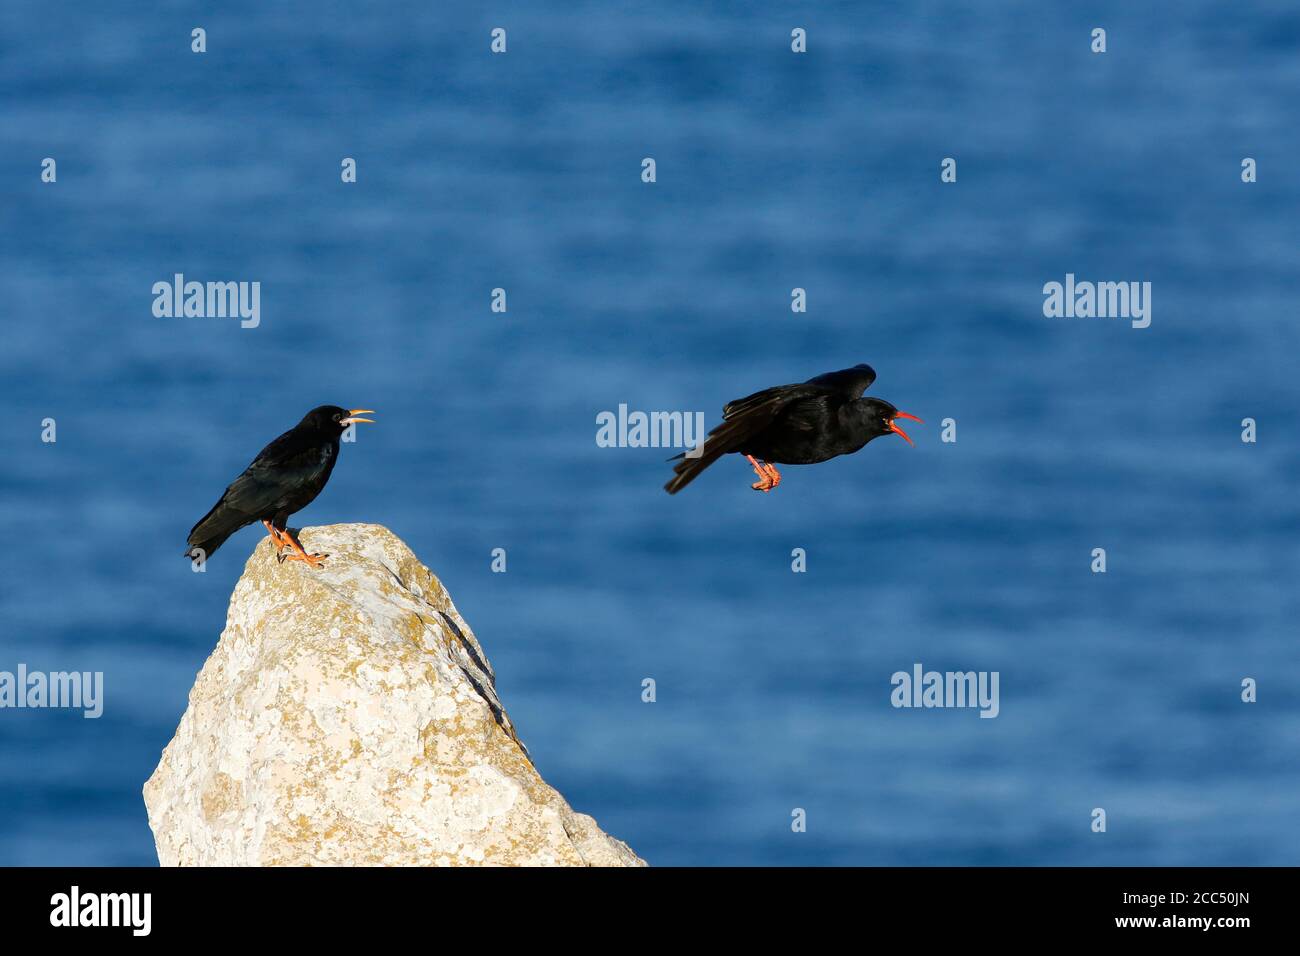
(800, 424)
(286, 476)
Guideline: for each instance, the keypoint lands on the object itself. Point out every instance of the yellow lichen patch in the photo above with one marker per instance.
(220, 796)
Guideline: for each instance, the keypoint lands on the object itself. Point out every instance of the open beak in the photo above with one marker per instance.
(354, 412)
(893, 426)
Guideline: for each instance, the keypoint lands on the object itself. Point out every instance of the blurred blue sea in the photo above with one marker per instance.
(775, 171)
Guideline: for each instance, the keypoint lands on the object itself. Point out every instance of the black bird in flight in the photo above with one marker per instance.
(799, 424)
(286, 476)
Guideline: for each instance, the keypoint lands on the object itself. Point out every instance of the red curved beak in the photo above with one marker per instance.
(893, 426)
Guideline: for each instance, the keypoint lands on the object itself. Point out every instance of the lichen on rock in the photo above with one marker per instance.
(348, 716)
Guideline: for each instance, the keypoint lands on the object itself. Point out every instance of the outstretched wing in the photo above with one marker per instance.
(849, 382)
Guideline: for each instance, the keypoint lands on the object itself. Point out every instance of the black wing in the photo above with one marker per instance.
(849, 382)
(283, 466)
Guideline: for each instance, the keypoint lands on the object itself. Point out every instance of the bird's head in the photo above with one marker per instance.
(332, 420)
(883, 416)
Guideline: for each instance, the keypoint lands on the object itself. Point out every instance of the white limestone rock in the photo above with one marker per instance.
(348, 716)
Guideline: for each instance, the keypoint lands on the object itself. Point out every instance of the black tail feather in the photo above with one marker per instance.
(207, 545)
(214, 528)
(727, 437)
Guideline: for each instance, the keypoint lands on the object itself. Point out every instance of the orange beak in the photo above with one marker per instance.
(893, 427)
(353, 412)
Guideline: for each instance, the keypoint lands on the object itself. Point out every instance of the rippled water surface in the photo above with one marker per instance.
(775, 171)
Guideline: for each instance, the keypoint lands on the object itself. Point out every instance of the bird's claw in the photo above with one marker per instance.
(768, 476)
(285, 539)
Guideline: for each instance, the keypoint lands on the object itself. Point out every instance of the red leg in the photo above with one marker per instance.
(277, 539)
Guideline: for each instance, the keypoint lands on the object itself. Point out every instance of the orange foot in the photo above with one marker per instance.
(300, 554)
(768, 476)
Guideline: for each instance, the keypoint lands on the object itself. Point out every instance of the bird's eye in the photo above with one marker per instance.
(338, 417)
